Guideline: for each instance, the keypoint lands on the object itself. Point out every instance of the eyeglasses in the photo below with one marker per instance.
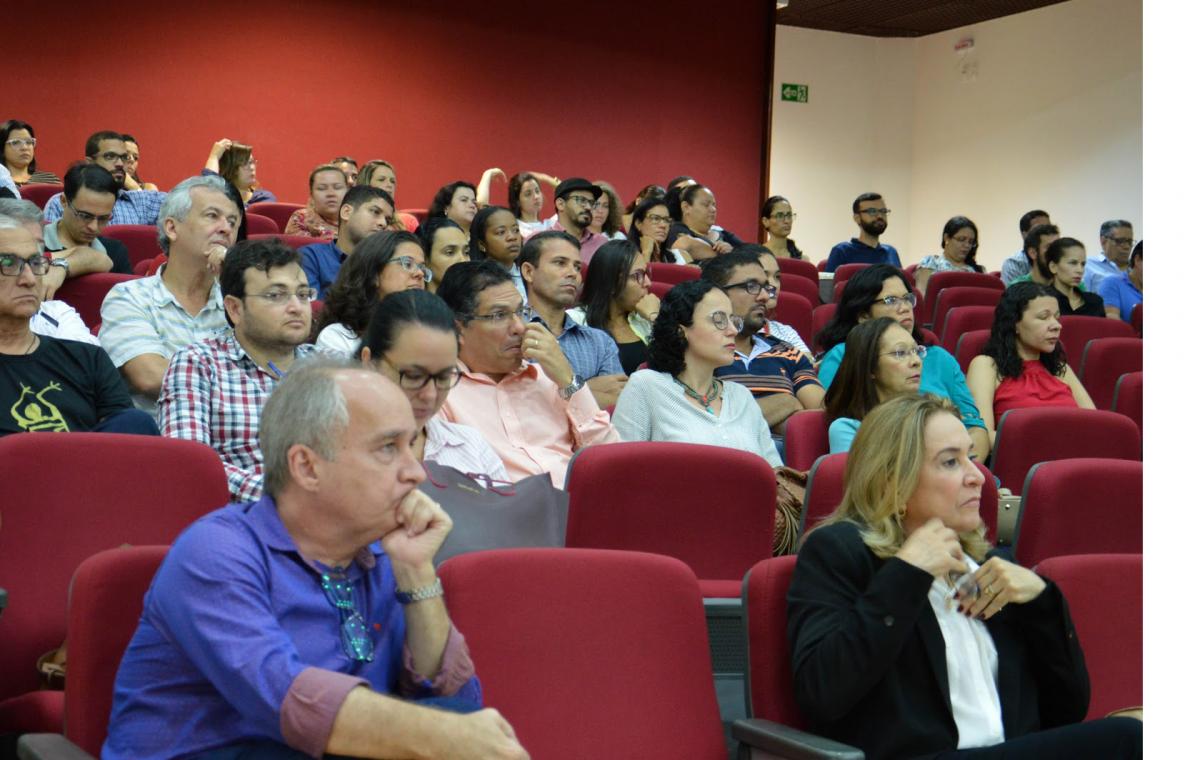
(901, 354)
(356, 636)
(640, 275)
(1117, 240)
(17, 142)
(893, 302)
(658, 219)
(111, 157)
(497, 318)
(281, 297)
(410, 265)
(753, 287)
(583, 201)
(87, 218)
(968, 242)
(11, 264)
(783, 216)
(415, 380)
(721, 320)
(874, 211)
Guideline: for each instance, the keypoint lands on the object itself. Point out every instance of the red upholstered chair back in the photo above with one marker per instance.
(825, 485)
(148, 267)
(800, 267)
(130, 489)
(1027, 436)
(1078, 331)
(1135, 319)
(940, 281)
(846, 271)
(102, 614)
(86, 293)
(1128, 397)
(950, 298)
(589, 653)
(660, 289)
(276, 212)
(40, 194)
(806, 438)
(822, 315)
(796, 312)
(291, 241)
(964, 319)
(1080, 506)
(1105, 360)
(800, 285)
(1104, 594)
(672, 273)
(261, 225)
(140, 239)
(769, 688)
(710, 506)
(970, 345)
(419, 213)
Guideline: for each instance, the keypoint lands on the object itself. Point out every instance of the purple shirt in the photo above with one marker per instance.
(587, 244)
(237, 642)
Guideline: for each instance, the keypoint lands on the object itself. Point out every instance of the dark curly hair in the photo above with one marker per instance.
(607, 274)
(860, 293)
(1002, 344)
(354, 295)
(853, 392)
(445, 194)
(678, 309)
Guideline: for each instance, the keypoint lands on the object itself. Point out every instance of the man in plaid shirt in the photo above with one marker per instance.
(214, 390)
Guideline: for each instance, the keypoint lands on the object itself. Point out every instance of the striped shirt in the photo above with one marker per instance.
(132, 207)
(213, 393)
(592, 352)
(772, 367)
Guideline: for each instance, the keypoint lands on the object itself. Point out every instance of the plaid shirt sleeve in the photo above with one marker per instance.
(53, 210)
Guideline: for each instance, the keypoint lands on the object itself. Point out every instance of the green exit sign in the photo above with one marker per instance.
(795, 93)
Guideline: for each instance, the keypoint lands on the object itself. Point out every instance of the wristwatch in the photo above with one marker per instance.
(66, 265)
(420, 594)
(569, 391)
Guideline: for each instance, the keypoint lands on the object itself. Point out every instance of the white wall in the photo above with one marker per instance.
(1053, 119)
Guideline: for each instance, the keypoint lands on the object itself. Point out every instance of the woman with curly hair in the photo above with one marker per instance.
(678, 398)
(384, 263)
(1023, 364)
(455, 201)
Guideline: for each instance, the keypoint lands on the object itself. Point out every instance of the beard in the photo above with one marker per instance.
(875, 227)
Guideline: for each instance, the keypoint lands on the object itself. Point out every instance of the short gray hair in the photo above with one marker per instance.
(1113, 224)
(10, 223)
(21, 210)
(306, 408)
(178, 203)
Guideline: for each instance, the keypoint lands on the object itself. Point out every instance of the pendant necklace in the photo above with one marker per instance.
(714, 392)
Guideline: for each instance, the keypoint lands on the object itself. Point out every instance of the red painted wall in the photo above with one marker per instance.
(629, 92)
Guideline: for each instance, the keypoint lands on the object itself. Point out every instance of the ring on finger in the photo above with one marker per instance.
(990, 591)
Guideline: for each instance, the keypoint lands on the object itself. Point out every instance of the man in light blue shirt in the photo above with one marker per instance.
(1116, 241)
(1017, 265)
(107, 150)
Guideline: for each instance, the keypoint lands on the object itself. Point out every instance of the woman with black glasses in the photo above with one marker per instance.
(18, 142)
(881, 290)
(617, 299)
(412, 339)
(777, 218)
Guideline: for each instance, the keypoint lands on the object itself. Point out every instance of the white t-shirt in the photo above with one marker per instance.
(338, 339)
(57, 319)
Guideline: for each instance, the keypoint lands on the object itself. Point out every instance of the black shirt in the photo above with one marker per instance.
(632, 355)
(679, 228)
(64, 385)
(1092, 306)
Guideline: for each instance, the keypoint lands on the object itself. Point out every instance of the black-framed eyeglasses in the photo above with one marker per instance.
(356, 635)
(412, 266)
(87, 218)
(968, 242)
(1120, 241)
(893, 302)
(525, 313)
(754, 287)
(902, 354)
(111, 157)
(583, 201)
(11, 264)
(721, 320)
(874, 211)
(640, 275)
(415, 379)
(280, 297)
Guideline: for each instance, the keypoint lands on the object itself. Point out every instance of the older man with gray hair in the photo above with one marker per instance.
(145, 321)
(310, 622)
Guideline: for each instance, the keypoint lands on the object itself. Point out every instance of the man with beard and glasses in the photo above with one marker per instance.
(107, 150)
(214, 390)
(550, 265)
(781, 378)
(573, 200)
(871, 215)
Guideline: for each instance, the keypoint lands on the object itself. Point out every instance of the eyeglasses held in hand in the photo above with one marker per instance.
(902, 354)
(721, 320)
(412, 266)
(280, 297)
(893, 302)
(11, 264)
(356, 636)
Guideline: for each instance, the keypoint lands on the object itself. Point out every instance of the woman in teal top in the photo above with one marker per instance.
(881, 290)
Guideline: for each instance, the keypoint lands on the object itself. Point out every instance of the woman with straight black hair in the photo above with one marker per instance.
(617, 299)
(648, 228)
(776, 218)
(446, 244)
(18, 141)
(960, 243)
(1063, 266)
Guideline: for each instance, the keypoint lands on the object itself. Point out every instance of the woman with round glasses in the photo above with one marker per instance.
(960, 243)
(1023, 364)
(881, 290)
(18, 141)
(882, 361)
(616, 298)
(384, 263)
(648, 229)
(411, 338)
(235, 163)
(777, 218)
(678, 398)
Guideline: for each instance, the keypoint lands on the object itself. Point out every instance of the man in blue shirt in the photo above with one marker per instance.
(551, 266)
(364, 210)
(293, 620)
(1121, 292)
(1116, 241)
(871, 216)
(107, 150)
(1017, 265)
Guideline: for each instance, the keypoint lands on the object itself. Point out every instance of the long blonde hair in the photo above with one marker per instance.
(883, 469)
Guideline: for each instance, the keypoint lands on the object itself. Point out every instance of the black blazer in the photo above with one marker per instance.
(869, 661)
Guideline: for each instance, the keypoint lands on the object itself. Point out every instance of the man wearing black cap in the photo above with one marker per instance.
(573, 200)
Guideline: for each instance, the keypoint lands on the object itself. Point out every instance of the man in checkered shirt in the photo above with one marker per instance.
(214, 389)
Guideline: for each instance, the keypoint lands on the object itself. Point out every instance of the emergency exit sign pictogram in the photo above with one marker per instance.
(795, 93)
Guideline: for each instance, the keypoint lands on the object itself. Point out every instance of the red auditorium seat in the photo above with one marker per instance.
(418, 213)
(1077, 331)
(1027, 436)
(1080, 506)
(951, 298)
(710, 506)
(1104, 594)
(292, 241)
(846, 271)
(140, 239)
(970, 344)
(590, 653)
(258, 224)
(86, 293)
(795, 311)
(1105, 360)
(149, 267)
(276, 212)
(660, 289)
(800, 285)
(806, 438)
(822, 315)
(940, 281)
(800, 267)
(1135, 319)
(137, 490)
(965, 319)
(672, 273)
(1128, 397)
(40, 193)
